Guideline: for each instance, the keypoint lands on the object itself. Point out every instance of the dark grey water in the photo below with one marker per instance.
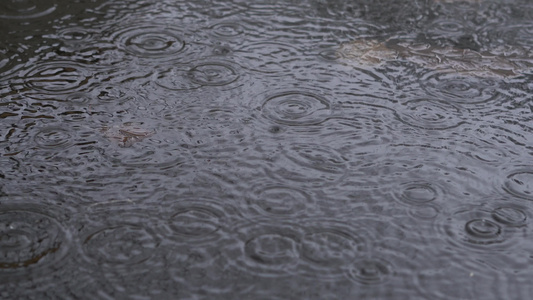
(298, 149)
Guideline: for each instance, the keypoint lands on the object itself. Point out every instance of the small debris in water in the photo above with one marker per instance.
(126, 134)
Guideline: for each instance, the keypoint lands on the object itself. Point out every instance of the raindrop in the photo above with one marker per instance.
(227, 30)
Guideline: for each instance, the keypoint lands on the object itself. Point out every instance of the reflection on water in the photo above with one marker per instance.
(303, 149)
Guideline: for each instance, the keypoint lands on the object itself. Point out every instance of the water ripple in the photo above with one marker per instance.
(195, 221)
(120, 244)
(370, 271)
(430, 114)
(208, 73)
(474, 227)
(26, 9)
(270, 250)
(53, 138)
(269, 57)
(279, 200)
(310, 164)
(418, 193)
(517, 182)
(151, 41)
(456, 88)
(295, 107)
(327, 246)
(32, 238)
(57, 77)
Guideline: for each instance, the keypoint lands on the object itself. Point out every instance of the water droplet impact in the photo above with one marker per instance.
(370, 271)
(57, 77)
(213, 74)
(151, 41)
(312, 164)
(25, 9)
(430, 114)
(280, 200)
(296, 108)
(482, 230)
(418, 193)
(269, 250)
(53, 138)
(473, 227)
(30, 239)
(227, 30)
(123, 244)
(510, 216)
(457, 88)
(520, 184)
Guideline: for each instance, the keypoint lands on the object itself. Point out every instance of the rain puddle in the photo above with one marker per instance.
(298, 149)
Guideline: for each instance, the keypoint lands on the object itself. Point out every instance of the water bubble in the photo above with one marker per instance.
(371, 271)
(30, 239)
(120, 244)
(296, 108)
(430, 114)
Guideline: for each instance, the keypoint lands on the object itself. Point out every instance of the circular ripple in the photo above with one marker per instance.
(474, 227)
(195, 221)
(327, 247)
(122, 244)
(311, 164)
(417, 193)
(279, 200)
(151, 41)
(227, 30)
(296, 108)
(519, 183)
(25, 9)
(369, 271)
(457, 88)
(53, 137)
(510, 216)
(74, 35)
(430, 114)
(30, 238)
(57, 77)
(267, 249)
(213, 74)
